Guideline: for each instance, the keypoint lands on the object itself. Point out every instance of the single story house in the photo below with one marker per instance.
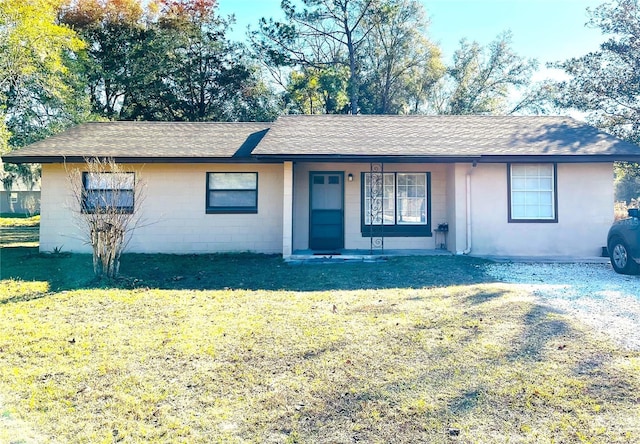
(485, 185)
(17, 196)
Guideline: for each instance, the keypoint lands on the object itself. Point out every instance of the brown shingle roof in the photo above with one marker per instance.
(148, 140)
(428, 138)
(439, 136)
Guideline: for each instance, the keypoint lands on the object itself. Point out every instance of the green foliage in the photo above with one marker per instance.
(401, 65)
(4, 134)
(392, 65)
(480, 80)
(605, 85)
(627, 182)
(168, 61)
(323, 34)
(37, 93)
(318, 91)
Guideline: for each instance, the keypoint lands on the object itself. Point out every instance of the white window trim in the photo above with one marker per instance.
(554, 194)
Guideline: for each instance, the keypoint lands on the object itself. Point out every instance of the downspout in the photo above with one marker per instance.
(468, 213)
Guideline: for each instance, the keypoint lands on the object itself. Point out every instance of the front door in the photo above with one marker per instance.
(326, 230)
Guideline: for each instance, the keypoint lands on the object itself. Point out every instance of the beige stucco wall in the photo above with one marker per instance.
(457, 206)
(585, 212)
(352, 205)
(174, 218)
(173, 212)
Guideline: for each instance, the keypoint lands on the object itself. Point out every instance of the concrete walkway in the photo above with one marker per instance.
(344, 255)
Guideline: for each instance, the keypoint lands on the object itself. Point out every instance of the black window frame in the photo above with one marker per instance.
(231, 209)
(129, 209)
(396, 230)
(553, 220)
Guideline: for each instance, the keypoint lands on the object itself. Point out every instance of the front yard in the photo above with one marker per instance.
(245, 348)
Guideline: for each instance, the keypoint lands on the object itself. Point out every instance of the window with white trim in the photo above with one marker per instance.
(532, 192)
(232, 193)
(396, 204)
(108, 192)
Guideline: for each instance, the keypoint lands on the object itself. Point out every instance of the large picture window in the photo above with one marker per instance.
(532, 192)
(396, 204)
(108, 192)
(232, 192)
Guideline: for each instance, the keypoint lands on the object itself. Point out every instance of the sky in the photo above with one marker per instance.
(547, 30)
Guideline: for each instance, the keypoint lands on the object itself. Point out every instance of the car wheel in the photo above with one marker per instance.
(621, 260)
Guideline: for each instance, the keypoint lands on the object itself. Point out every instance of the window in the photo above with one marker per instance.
(232, 193)
(396, 204)
(14, 198)
(108, 191)
(532, 192)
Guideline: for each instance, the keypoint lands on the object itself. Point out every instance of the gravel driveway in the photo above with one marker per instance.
(593, 293)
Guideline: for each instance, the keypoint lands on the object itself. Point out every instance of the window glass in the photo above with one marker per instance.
(532, 192)
(232, 193)
(109, 181)
(395, 199)
(379, 201)
(411, 196)
(232, 181)
(229, 198)
(326, 196)
(108, 192)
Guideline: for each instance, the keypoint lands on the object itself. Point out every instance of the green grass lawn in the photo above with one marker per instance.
(245, 348)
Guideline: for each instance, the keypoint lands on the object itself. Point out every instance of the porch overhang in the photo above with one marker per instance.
(347, 158)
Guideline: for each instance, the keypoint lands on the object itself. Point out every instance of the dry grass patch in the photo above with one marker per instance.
(19, 221)
(19, 231)
(473, 363)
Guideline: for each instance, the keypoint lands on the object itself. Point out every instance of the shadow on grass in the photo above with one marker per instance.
(481, 298)
(458, 383)
(239, 271)
(17, 236)
(541, 326)
(22, 298)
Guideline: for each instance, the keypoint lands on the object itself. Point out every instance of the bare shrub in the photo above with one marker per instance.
(30, 205)
(106, 204)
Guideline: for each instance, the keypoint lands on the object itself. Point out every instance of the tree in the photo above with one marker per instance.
(35, 80)
(170, 61)
(318, 91)
(324, 34)
(210, 77)
(605, 84)
(402, 65)
(39, 92)
(114, 31)
(481, 81)
(106, 200)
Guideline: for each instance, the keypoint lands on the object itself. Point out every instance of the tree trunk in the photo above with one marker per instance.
(353, 77)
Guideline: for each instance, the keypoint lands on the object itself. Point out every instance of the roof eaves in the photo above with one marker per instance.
(138, 159)
(366, 158)
(559, 158)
